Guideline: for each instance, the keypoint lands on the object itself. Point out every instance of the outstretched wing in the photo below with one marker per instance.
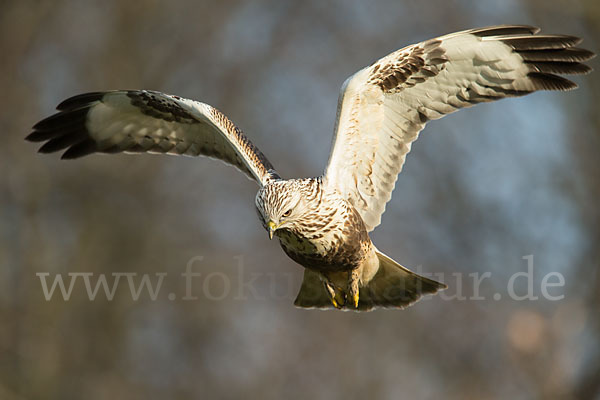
(144, 121)
(382, 108)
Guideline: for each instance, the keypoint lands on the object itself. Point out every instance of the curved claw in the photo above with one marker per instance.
(338, 299)
(335, 303)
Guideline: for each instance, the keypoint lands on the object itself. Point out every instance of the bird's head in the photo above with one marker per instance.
(280, 204)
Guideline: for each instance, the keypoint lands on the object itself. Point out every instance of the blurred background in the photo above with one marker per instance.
(481, 189)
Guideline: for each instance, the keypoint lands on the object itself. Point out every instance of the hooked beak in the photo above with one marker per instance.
(272, 228)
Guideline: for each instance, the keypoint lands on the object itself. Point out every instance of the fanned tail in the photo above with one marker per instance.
(392, 286)
(395, 286)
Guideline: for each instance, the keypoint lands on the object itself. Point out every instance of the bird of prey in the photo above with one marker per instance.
(323, 223)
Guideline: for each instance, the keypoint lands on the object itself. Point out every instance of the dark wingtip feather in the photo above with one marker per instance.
(560, 67)
(40, 136)
(63, 141)
(541, 42)
(62, 119)
(500, 30)
(65, 129)
(80, 100)
(544, 81)
(570, 54)
(547, 55)
(84, 148)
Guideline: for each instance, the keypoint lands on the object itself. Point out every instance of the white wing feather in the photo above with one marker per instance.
(383, 107)
(152, 122)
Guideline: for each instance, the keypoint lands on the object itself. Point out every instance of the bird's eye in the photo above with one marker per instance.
(287, 213)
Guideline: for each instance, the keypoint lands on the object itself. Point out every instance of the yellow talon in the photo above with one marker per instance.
(335, 303)
(355, 300)
(339, 299)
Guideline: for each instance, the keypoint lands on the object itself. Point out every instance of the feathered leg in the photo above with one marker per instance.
(353, 292)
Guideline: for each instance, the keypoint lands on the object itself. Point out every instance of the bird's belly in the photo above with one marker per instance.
(316, 255)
